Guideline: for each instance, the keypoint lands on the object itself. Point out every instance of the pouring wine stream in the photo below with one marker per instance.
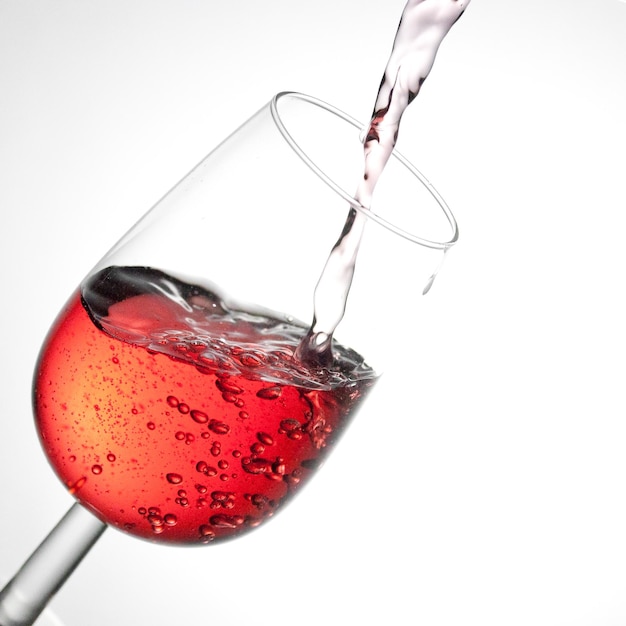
(422, 28)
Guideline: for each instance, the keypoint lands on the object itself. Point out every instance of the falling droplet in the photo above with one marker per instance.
(431, 280)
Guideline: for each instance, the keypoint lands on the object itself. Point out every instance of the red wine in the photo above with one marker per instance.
(176, 417)
(423, 26)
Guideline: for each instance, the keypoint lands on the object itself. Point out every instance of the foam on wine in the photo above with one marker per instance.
(423, 26)
(177, 418)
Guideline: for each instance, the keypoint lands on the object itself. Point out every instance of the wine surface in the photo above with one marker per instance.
(177, 418)
(423, 26)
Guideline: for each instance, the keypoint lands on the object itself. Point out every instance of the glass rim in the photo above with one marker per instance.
(350, 199)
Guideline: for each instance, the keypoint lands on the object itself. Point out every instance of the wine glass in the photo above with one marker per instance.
(171, 395)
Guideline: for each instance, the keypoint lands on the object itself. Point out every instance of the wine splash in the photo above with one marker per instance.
(423, 26)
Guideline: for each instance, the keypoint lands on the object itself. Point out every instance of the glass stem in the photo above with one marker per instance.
(48, 567)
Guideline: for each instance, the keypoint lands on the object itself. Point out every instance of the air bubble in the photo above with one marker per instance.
(206, 533)
(155, 519)
(174, 479)
(111, 457)
(96, 469)
(278, 467)
(250, 360)
(221, 496)
(73, 488)
(204, 468)
(226, 521)
(227, 387)
(259, 500)
(183, 408)
(269, 393)
(219, 428)
(199, 416)
(289, 425)
(256, 466)
(257, 448)
(265, 439)
(172, 401)
(151, 425)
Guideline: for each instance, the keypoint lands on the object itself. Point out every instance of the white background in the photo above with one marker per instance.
(506, 505)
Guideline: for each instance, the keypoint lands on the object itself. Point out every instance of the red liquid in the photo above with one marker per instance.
(196, 426)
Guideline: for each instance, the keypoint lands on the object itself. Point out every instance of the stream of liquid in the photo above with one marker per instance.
(423, 26)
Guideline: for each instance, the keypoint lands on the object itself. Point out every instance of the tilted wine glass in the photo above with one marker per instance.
(168, 394)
